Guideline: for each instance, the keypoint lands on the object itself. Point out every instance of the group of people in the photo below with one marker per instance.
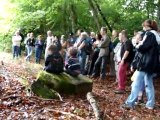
(89, 54)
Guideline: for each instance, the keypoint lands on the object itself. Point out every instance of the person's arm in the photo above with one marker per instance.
(125, 55)
(81, 45)
(146, 43)
(47, 60)
(104, 43)
(36, 42)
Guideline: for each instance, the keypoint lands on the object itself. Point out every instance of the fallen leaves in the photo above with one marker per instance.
(18, 102)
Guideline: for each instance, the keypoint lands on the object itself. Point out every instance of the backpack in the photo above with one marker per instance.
(55, 64)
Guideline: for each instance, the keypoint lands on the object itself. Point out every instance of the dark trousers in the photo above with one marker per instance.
(15, 51)
(93, 60)
(102, 62)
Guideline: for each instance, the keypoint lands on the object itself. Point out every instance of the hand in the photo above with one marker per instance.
(122, 61)
(132, 70)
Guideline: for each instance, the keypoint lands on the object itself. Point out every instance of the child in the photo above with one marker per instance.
(54, 61)
(72, 65)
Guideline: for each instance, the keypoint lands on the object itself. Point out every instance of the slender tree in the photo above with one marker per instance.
(94, 14)
(103, 17)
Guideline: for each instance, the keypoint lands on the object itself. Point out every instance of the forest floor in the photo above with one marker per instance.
(17, 102)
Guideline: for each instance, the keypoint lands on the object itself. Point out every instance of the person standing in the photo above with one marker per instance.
(16, 41)
(146, 65)
(81, 51)
(112, 46)
(103, 55)
(30, 46)
(39, 44)
(95, 53)
(48, 42)
(126, 58)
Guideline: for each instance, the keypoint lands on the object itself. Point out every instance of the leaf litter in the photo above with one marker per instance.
(18, 102)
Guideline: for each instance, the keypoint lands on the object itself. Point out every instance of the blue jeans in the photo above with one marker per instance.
(29, 52)
(82, 60)
(15, 50)
(140, 79)
(38, 54)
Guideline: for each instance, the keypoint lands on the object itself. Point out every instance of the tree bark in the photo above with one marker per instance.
(103, 17)
(73, 16)
(95, 13)
(158, 12)
(94, 105)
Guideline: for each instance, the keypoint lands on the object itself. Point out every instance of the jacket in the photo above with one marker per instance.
(54, 63)
(146, 58)
(104, 46)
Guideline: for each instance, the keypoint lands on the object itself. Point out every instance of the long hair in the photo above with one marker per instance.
(151, 23)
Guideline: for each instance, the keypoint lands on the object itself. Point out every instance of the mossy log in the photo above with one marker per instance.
(63, 83)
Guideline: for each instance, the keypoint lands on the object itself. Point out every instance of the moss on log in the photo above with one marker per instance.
(43, 91)
(62, 83)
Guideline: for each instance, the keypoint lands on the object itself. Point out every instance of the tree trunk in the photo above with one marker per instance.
(73, 16)
(95, 13)
(158, 12)
(103, 17)
(65, 18)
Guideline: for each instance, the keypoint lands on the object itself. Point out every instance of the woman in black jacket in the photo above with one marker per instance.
(145, 63)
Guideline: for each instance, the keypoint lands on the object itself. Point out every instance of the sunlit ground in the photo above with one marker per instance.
(6, 9)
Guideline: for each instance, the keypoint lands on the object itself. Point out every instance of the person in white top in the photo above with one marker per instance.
(48, 42)
(16, 41)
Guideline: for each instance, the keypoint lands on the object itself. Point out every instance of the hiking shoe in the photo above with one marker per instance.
(139, 102)
(118, 91)
(149, 108)
(94, 76)
(126, 106)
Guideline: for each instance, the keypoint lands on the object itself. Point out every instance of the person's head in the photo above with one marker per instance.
(73, 52)
(40, 37)
(103, 31)
(31, 35)
(79, 32)
(28, 35)
(98, 36)
(49, 33)
(55, 38)
(71, 34)
(139, 36)
(123, 35)
(92, 34)
(134, 32)
(114, 34)
(62, 37)
(52, 48)
(17, 32)
(150, 25)
(84, 35)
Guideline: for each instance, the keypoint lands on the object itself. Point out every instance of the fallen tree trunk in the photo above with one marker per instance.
(94, 105)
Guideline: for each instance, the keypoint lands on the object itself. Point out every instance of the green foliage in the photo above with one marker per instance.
(64, 16)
